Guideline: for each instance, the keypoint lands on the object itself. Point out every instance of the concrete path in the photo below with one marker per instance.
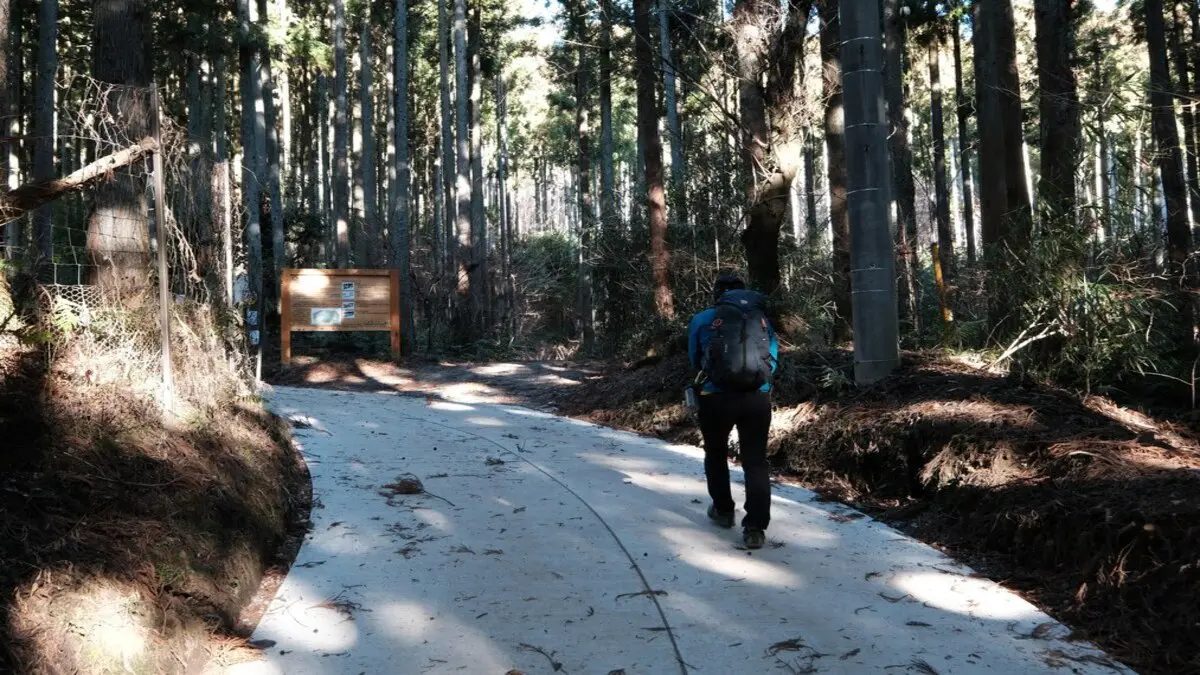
(549, 545)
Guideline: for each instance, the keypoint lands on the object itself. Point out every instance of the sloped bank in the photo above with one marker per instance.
(1091, 509)
(130, 542)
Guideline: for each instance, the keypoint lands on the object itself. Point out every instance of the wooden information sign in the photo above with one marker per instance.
(339, 300)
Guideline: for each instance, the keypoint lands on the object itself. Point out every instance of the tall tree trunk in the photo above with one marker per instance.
(14, 111)
(963, 105)
(904, 187)
(835, 147)
(1100, 80)
(446, 125)
(651, 143)
(674, 127)
(583, 163)
(1187, 108)
(324, 175)
(398, 229)
(1194, 18)
(1170, 166)
(1004, 198)
(118, 241)
(273, 175)
(816, 231)
(1060, 127)
(7, 112)
(370, 173)
(341, 136)
(45, 136)
(608, 198)
(253, 126)
(481, 295)
(506, 243)
(222, 191)
(941, 190)
(464, 308)
(876, 326)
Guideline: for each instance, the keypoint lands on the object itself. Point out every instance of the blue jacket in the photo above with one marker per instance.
(700, 332)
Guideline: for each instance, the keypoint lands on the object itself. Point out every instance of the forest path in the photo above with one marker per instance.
(546, 544)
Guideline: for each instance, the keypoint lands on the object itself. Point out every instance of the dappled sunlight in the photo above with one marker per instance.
(486, 422)
(316, 625)
(447, 406)
(526, 412)
(973, 411)
(500, 369)
(706, 551)
(977, 598)
(412, 624)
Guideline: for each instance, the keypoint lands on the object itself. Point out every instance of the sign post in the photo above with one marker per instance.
(339, 301)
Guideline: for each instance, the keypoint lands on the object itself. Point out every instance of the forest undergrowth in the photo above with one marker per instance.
(132, 539)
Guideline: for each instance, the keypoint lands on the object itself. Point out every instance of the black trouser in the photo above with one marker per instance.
(751, 414)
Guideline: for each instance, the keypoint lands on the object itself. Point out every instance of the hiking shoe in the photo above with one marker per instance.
(723, 519)
(755, 539)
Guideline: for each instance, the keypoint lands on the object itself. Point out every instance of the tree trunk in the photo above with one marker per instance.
(252, 164)
(1170, 165)
(835, 144)
(1106, 188)
(608, 198)
(398, 230)
(674, 128)
(651, 143)
(273, 174)
(481, 295)
(941, 190)
(341, 136)
(876, 327)
(222, 191)
(464, 308)
(1187, 109)
(446, 125)
(816, 233)
(583, 164)
(506, 242)
(904, 188)
(118, 233)
(7, 112)
(45, 136)
(369, 171)
(963, 105)
(15, 110)
(25, 198)
(1060, 127)
(1004, 198)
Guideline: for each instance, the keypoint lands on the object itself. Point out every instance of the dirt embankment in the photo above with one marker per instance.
(1091, 509)
(129, 543)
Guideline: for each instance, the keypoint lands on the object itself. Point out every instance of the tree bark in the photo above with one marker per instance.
(1004, 198)
(7, 112)
(835, 147)
(608, 197)
(222, 192)
(398, 230)
(583, 163)
(252, 166)
(1060, 127)
(369, 169)
(273, 175)
(941, 190)
(1170, 165)
(963, 105)
(674, 127)
(14, 111)
(1106, 193)
(341, 137)
(876, 326)
(816, 233)
(1187, 109)
(904, 187)
(118, 233)
(446, 126)
(506, 242)
(651, 143)
(30, 196)
(481, 295)
(45, 136)
(464, 308)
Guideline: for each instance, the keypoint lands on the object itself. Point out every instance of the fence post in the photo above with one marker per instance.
(160, 230)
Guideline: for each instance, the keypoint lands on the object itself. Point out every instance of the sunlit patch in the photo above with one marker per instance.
(486, 422)
(450, 407)
(413, 624)
(315, 622)
(525, 412)
(977, 598)
(708, 552)
(500, 369)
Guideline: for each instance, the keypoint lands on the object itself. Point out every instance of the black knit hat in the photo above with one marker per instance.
(726, 281)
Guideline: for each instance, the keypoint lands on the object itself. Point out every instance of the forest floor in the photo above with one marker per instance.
(1088, 508)
(130, 542)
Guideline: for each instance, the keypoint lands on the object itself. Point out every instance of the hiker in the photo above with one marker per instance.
(733, 346)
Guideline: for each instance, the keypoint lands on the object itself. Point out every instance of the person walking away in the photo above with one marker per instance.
(734, 347)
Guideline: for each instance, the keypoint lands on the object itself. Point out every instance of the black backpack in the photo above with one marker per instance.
(738, 357)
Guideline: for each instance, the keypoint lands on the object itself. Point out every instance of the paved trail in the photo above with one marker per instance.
(550, 545)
